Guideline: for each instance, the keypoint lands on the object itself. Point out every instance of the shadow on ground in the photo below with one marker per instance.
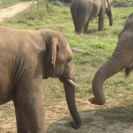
(109, 120)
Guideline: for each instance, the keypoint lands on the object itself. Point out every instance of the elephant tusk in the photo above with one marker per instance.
(72, 83)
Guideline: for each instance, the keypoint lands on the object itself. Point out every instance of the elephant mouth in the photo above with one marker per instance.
(70, 81)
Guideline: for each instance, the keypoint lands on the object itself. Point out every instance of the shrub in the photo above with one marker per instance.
(122, 3)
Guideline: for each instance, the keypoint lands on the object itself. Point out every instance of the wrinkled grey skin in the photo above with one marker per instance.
(122, 58)
(26, 58)
(83, 11)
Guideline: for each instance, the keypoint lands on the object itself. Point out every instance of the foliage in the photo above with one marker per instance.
(60, 0)
(122, 3)
(4, 3)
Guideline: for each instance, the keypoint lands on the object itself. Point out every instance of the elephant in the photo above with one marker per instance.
(83, 11)
(119, 60)
(26, 58)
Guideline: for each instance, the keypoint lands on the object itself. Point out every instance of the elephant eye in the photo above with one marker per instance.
(69, 60)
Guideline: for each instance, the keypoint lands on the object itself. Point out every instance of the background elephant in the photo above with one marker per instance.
(122, 58)
(83, 11)
(27, 57)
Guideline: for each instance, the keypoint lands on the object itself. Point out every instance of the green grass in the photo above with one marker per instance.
(100, 45)
(7, 3)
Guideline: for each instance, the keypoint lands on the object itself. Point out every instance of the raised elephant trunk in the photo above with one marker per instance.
(115, 64)
(70, 98)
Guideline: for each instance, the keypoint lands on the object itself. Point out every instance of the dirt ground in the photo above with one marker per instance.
(95, 119)
(108, 119)
(13, 10)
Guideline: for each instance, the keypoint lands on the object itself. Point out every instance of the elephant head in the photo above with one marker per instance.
(58, 63)
(109, 11)
(122, 58)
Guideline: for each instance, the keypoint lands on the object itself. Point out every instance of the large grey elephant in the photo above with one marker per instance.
(83, 11)
(122, 58)
(26, 58)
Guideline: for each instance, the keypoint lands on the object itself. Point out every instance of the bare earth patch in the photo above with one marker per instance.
(95, 119)
(13, 10)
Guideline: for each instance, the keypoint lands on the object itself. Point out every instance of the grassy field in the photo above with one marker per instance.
(118, 89)
(6, 3)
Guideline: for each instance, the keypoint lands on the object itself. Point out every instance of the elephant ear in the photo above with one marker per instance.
(53, 49)
(108, 4)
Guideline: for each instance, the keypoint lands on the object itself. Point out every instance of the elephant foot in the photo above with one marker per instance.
(100, 29)
(96, 102)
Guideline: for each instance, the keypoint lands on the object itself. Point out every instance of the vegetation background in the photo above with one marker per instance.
(116, 115)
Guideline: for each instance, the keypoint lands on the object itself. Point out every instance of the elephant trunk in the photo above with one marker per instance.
(70, 98)
(110, 16)
(115, 64)
(109, 12)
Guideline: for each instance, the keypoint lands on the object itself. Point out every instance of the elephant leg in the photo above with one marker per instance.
(73, 13)
(101, 20)
(82, 22)
(22, 123)
(29, 97)
(86, 27)
(80, 27)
